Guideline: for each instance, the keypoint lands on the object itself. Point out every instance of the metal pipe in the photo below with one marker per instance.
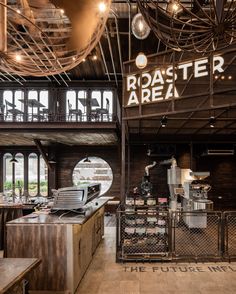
(111, 53)
(148, 167)
(118, 42)
(104, 60)
(129, 28)
(3, 26)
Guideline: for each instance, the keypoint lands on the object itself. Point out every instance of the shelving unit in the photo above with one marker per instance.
(143, 231)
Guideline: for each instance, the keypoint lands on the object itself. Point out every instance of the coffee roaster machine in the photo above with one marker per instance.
(192, 189)
(188, 192)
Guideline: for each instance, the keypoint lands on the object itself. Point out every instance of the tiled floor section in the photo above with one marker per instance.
(105, 276)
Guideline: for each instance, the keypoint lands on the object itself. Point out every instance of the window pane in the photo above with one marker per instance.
(108, 103)
(93, 170)
(43, 177)
(32, 110)
(82, 103)
(96, 100)
(33, 175)
(19, 174)
(70, 104)
(19, 102)
(8, 104)
(43, 98)
(7, 174)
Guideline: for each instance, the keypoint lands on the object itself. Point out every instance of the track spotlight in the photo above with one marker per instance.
(212, 121)
(163, 121)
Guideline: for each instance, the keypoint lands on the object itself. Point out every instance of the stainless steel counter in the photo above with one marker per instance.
(61, 217)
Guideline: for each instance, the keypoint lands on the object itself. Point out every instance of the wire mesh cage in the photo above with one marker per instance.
(196, 235)
(230, 234)
(143, 234)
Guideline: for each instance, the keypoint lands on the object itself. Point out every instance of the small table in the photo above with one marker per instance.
(15, 112)
(13, 272)
(32, 103)
(94, 102)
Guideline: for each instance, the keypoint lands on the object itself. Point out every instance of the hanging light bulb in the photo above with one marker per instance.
(139, 27)
(102, 7)
(141, 60)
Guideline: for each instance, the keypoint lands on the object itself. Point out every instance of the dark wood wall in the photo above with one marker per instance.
(222, 173)
(68, 157)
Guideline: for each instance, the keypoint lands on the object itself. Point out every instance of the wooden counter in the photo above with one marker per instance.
(65, 244)
(13, 271)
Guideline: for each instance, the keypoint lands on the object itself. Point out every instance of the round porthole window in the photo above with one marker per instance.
(93, 170)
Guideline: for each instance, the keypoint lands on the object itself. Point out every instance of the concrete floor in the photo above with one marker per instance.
(105, 276)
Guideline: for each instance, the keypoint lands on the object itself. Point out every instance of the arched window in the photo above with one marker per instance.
(93, 170)
(33, 174)
(43, 177)
(7, 173)
(19, 174)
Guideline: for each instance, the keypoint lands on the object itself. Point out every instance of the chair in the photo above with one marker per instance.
(76, 112)
(44, 114)
(104, 111)
(2, 108)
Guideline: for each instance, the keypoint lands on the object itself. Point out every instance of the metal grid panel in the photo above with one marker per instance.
(230, 234)
(143, 234)
(196, 234)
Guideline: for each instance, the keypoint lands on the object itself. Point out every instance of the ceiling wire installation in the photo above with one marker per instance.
(48, 37)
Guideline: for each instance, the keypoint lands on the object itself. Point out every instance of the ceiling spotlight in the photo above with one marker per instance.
(230, 77)
(141, 60)
(102, 7)
(18, 57)
(163, 121)
(87, 159)
(73, 58)
(18, 11)
(94, 57)
(222, 77)
(140, 29)
(83, 59)
(163, 72)
(216, 77)
(13, 160)
(212, 121)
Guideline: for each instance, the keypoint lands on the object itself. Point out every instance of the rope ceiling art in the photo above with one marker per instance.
(192, 25)
(47, 37)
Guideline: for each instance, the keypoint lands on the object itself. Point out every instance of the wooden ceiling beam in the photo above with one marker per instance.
(43, 153)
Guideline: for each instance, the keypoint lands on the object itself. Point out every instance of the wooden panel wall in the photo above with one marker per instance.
(68, 157)
(222, 173)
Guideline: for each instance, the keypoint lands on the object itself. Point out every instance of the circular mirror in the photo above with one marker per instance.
(93, 170)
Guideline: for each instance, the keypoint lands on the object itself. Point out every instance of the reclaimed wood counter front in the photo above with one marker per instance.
(64, 243)
(13, 271)
(8, 212)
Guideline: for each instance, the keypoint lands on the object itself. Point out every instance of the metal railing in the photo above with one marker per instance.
(229, 219)
(154, 235)
(58, 118)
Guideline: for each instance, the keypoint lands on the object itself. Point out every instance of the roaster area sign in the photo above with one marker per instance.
(161, 83)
